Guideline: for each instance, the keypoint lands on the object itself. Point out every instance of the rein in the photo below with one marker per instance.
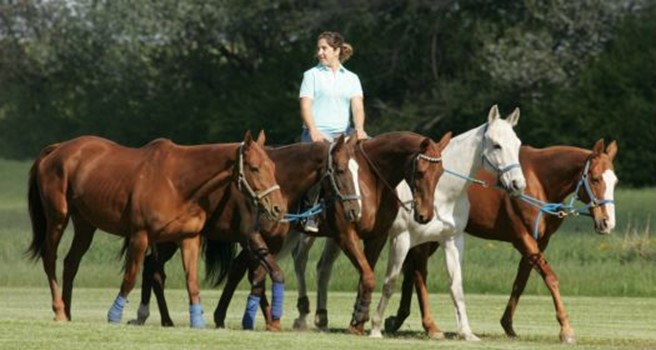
(420, 156)
(562, 210)
(321, 206)
(256, 197)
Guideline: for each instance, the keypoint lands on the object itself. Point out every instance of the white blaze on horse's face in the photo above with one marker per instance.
(353, 167)
(610, 180)
(501, 151)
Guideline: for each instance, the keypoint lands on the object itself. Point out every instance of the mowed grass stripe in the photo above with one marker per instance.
(599, 322)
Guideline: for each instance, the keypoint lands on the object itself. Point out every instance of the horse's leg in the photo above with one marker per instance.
(415, 270)
(551, 280)
(349, 241)
(153, 279)
(137, 247)
(324, 269)
(268, 261)
(190, 251)
(82, 238)
(300, 255)
(55, 229)
(237, 272)
(523, 272)
(393, 323)
(398, 249)
(453, 255)
(257, 279)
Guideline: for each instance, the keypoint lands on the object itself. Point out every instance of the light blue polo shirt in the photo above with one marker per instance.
(331, 96)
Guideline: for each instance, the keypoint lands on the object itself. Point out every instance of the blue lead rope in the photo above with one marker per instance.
(315, 210)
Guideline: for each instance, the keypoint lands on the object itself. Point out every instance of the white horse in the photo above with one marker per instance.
(494, 146)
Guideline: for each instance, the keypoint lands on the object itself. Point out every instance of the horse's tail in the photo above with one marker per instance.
(218, 260)
(35, 207)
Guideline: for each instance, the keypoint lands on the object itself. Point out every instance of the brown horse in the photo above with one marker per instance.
(299, 167)
(156, 193)
(383, 162)
(552, 174)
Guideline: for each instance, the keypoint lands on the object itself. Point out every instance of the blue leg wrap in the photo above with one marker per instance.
(115, 313)
(252, 304)
(196, 316)
(278, 296)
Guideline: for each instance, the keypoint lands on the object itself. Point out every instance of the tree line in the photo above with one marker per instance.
(199, 72)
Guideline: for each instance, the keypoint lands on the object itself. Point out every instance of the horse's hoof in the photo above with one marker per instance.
(274, 327)
(471, 337)
(375, 333)
(321, 319)
(436, 335)
(508, 328)
(357, 329)
(299, 324)
(390, 325)
(568, 338)
(137, 322)
(167, 323)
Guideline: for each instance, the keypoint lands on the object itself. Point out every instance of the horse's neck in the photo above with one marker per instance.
(389, 157)
(299, 167)
(200, 170)
(559, 170)
(462, 156)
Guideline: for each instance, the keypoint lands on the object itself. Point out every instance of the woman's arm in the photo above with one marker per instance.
(308, 119)
(357, 109)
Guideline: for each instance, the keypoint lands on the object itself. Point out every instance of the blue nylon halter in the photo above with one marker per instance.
(562, 210)
(484, 160)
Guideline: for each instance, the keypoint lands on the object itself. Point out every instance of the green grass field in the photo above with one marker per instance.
(608, 284)
(600, 323)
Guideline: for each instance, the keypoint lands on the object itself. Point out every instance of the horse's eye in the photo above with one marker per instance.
(497, 146)
(255, 169)
(595, 180)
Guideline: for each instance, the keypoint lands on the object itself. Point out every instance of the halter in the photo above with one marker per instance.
(330, 174)
(562, 210)
(319, 207)
(484, 159)
(256, 197)
(420, 156)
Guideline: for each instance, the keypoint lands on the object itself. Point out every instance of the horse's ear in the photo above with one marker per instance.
(340, 141)
(352, 140)
(248, 138)
(445, 140)
(261, 138)
(493, 114)
(598, 147)
(514, 117)
(611, 150)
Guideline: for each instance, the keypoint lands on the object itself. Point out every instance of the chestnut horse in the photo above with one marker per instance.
(383, 162)
(552, 174)
(299, 167)
(156, 193)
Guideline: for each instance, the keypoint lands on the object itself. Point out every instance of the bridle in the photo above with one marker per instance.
(562, 210)
(330, 174)
(417, 158)
(484, 159)
(242, 184)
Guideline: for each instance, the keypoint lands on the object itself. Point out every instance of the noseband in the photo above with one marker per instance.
(500, 171)
(562, 210)
(330, 174)
(256, 197)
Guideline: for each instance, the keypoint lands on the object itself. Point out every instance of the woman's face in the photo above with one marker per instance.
(326, 54)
